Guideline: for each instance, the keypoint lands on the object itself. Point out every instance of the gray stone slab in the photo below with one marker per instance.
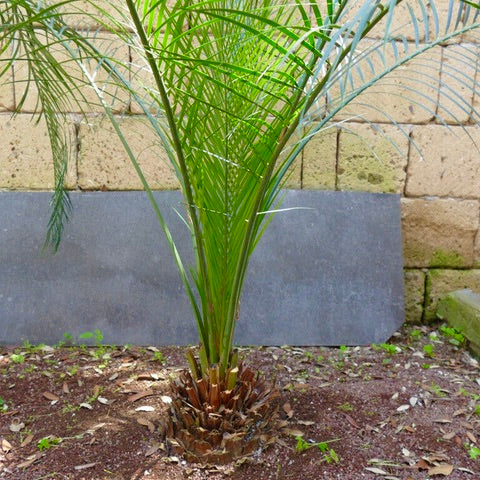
(330, 274)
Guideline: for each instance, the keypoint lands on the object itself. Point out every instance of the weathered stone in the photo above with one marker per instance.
(407, 95)
(457, 83)
(372, 158)
(414, 295)
(25, 155)
(319, 161)
(461, 310)
(440, 282)
(450, 165)
(103, 162)
(439, 232)
(329, 273)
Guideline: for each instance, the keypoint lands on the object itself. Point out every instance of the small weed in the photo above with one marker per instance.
(386, 347)
(466, 393)
(428, 350)
(477, 409)
(437, 390)
(454, 335)
(415, 334)
(67, 340)
(97, 335)
(329, 454)
(343, 353)
(47, 442)
(473, 452)
(425, 366)
(72, 370)
(320, 358)
(17, 358)
(3, 405)
(159, 357)
(93, 398)
(309, 355)
(50, 361)
(345, 407)
(101, 350)
(69, 408)
(32, 348)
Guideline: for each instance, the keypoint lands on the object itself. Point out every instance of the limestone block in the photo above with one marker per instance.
(450, 165)
(104, 164)
(472, 36)
(6, 86)
(372, 158)
(414, 282)
(439, 232)
(461, 309)
(319, 161)
(25, 155)
(293, 179)
(476, 95)
(447, 17)
(294, 175)
(143, 84)
(87, 98)
(401, 22)
(441, 282)
(457, 82)
(476, 251)
(82, 14)
(6, 95)
(406, 95)
(116, 98)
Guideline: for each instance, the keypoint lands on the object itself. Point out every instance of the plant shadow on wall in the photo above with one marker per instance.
(233, 91)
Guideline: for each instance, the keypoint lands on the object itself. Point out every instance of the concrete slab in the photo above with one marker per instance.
(330, 274)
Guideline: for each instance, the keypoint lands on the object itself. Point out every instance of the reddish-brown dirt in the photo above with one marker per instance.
(408, 410)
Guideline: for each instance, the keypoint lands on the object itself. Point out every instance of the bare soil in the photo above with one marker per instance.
(407, 411)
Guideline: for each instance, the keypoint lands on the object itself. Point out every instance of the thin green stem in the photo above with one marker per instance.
(187, 189)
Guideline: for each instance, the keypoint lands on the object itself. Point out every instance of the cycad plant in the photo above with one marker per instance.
(234, 90)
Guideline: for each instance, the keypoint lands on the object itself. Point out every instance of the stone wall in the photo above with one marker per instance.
(435, 169)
